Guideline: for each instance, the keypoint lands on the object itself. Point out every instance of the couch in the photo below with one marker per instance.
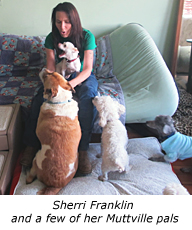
(129, 68)
(127, 56)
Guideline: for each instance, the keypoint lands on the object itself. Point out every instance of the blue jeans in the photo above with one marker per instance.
(87, 112)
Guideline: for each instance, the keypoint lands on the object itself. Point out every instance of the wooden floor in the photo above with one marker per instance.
(185, 178)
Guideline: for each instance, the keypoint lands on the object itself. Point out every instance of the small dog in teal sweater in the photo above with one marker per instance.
(174, 144)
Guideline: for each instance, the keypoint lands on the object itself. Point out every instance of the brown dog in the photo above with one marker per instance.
(59, 132)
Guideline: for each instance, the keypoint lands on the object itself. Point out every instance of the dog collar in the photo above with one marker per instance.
(56, 103)
(166, 137)
(69, 61)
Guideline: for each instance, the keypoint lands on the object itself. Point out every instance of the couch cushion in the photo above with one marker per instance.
(103, 62)
(144, 178)
(2, 161)
(148, 86)
(21, 59)
(6, 113)
(5, 117)
(18, 53)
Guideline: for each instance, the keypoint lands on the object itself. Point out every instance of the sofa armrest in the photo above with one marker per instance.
(148, 86)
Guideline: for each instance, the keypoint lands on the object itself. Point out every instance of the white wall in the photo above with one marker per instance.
(32, 17)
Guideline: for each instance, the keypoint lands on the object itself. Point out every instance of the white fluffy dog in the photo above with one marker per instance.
(175, 189)
(114, 136)
(71, 62)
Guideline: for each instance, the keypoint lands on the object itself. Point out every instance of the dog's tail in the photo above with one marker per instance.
(48, 191)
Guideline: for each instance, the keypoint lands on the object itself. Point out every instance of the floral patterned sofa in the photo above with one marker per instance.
(129, 68)
(22, 58)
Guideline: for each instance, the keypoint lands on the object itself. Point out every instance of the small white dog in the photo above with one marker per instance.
(175, 189)
(114, 139)
(71, 62)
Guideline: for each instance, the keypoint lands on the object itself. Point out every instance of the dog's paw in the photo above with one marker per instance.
(127, 170)
(120, 169)
(157, 159)
(186, 170)
(102, 178)
(67, 76)
(99, 155)
(41, 192)
(29, 179)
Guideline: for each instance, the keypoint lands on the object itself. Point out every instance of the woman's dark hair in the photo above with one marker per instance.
(76, 33)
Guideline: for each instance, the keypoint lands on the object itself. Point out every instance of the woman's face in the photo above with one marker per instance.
(63, 24)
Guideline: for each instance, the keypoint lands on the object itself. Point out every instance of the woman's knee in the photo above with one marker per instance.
(36, 104)
(89, 87)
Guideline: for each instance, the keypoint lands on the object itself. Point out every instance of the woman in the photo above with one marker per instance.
(66, 26)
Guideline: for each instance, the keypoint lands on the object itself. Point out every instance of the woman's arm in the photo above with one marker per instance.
(50, 58)
(87, 68)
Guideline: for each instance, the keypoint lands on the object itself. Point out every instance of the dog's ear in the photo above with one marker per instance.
(43, 74)
(69, 87)
(66, 85)
(75, 50)
(47, 93)
(46, 71)
(50, 93)
(61, 46)
(102, 121)
(167, 129)
(121, 109)
(95, 100)
(54, 92)
(173, 120)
